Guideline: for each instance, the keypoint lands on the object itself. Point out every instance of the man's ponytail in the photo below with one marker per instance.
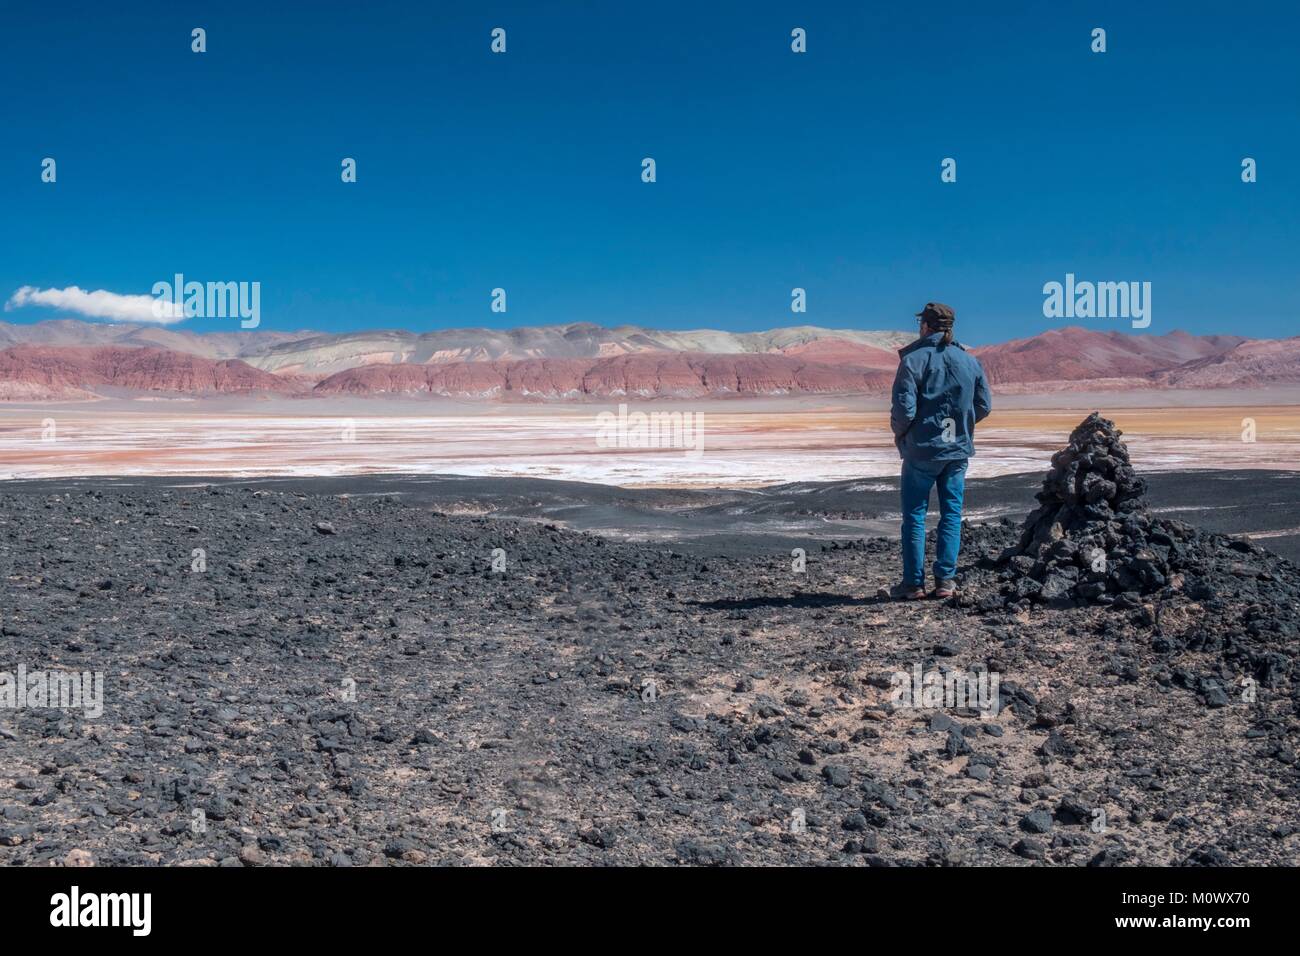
(937, 317)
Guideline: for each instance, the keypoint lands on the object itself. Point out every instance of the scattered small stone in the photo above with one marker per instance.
(1037, 821)
(251, 856)
(78, 857)
(836, 776)
(1029, 849)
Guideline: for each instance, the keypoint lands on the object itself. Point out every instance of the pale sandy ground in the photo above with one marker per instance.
(745, 443)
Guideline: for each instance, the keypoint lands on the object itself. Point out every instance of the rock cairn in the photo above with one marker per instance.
(1092, 538)
(1091, 482)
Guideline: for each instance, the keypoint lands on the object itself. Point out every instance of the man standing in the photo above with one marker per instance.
(939, 394)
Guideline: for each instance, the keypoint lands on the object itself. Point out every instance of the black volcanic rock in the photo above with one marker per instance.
(1091, 483)
(1093, 542)
(314, 697)
(1092, 538)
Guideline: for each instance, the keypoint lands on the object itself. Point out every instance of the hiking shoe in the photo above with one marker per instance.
(907, 592)
(945, 588)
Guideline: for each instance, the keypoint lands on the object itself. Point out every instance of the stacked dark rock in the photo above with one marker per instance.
(1091, 482)
(1092, 538)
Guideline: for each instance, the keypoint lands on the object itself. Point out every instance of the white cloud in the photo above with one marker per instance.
(99, 304)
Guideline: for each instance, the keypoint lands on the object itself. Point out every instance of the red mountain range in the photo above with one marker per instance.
(596, 363)
(645, 375)
(39, 372)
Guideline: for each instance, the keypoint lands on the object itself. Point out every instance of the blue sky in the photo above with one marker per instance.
(775, 170)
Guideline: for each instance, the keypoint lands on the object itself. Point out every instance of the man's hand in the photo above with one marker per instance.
(983, 398)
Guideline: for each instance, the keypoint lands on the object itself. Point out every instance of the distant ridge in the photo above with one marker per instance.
(321, 354)
(42, 373)
(328, 354)
(646, 375)
(1075, 354)
(70, 359)
(74, 332)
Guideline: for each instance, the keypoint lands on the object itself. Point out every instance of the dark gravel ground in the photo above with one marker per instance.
(505, 717)
(757, 521)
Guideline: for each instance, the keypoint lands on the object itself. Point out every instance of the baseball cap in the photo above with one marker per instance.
(937, 315)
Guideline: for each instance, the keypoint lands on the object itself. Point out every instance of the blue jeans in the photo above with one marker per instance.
(918, 478)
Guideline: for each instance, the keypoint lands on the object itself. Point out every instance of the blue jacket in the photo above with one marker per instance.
(937, 386)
